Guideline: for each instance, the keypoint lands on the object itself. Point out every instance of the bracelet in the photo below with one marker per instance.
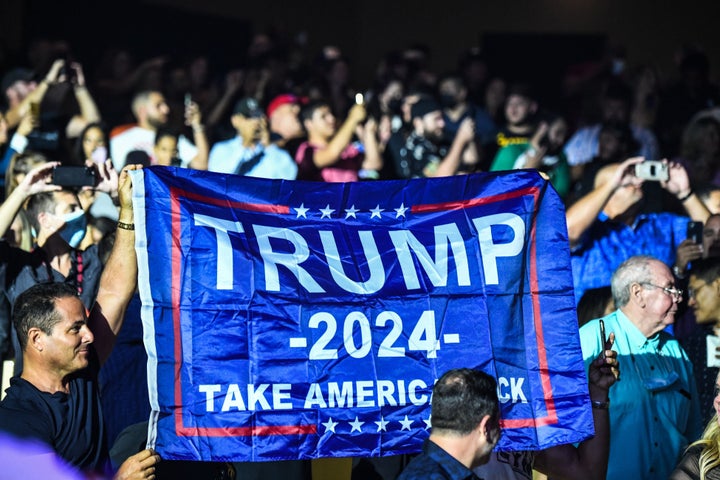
(689, 194)
(601, 405)
(126, 226)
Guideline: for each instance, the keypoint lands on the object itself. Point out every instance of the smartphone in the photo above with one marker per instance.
(359, 98)
(99, 155)
(695, 232)
(603, 338)
(653, 170)
(188, 99)
(73, 176)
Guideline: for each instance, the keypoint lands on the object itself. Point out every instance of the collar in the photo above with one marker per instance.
(634, 336)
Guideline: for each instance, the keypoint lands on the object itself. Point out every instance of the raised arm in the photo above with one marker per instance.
(36, 181)
(193, 119)
(450, 164)
(678, 184)
(89, 112)
(331, 154)
(581, 214)
(119, 277)
(590, 459)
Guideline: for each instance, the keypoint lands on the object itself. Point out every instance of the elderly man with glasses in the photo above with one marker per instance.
(654, 409)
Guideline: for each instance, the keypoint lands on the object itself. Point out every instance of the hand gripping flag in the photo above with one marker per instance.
(297, 320)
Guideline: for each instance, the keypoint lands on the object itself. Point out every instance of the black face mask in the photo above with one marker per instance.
(395, 106)
(448, 101)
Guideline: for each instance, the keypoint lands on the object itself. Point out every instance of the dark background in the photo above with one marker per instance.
(521, 38)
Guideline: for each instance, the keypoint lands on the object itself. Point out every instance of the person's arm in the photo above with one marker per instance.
(329, 155)
(233, 82)
(449, 165)
(581, 214)
(36, 181)
(590, 459)
(678, 184)
(89, 112)
(14, 115)
(193, 119)
(373, 159)
(119, 276)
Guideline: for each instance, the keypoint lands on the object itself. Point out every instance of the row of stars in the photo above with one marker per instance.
(351, 212)
(356, 425)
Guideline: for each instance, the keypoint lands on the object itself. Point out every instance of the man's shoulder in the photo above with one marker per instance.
(24, 412)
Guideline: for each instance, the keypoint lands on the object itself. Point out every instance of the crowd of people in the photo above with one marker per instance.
(634, 153)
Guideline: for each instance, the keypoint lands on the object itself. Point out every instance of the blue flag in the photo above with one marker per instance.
(297, 320)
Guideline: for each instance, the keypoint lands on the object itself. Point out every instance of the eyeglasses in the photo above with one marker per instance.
(676, 293)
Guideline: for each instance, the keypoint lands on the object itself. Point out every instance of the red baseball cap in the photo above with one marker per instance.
(283, 99)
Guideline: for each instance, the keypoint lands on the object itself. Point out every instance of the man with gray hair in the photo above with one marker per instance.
(654, 410)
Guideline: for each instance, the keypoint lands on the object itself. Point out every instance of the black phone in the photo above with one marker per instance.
(73, 176)
(695, 232)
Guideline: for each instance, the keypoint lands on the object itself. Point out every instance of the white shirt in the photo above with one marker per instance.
(275, 163)
(138, 138)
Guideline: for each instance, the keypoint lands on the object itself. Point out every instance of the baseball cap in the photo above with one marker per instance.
(248, 107)
(281, 100)
(424, 106)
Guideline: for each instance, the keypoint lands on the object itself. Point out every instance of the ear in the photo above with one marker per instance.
(43, 219)
(636, 294)
(36, 339)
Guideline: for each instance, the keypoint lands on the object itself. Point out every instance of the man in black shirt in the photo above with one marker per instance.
(465, 427)
(55, 399)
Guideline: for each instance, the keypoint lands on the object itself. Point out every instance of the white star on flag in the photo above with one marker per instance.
(376, 212)
(301, 211)
(330, 425)
(356, 425)
(405, 423)
(400, 212)
(381, 424)
(326, 211)
(350, 212)
(428, 422)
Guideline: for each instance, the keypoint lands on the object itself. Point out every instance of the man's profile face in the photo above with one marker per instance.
(65, 203)
(660, 306)
(285, 122)
(157, 110)
(66, 349)
(433, 125)
(322, 122)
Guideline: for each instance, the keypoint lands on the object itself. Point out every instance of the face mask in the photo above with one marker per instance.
(448, 101)
(74, 230)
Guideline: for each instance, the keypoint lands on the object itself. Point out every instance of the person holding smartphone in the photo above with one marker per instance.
(610, 223)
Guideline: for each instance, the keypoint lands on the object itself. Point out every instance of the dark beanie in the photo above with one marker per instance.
(424, 106)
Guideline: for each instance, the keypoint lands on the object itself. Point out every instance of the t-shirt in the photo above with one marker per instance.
(138, 138)
(344, 170)
(71, 423)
